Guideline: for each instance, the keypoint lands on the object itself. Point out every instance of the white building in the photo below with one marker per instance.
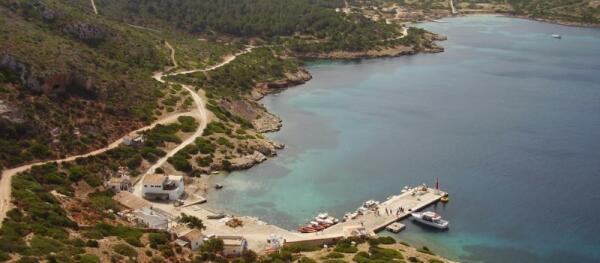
(162, 187)
(150, 219)
(233, 246)
(192, 239)
(134, 140)
(120, 182)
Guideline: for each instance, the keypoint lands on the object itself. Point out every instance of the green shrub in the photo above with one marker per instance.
(188, 124)
(213, 245)
(180, 163)
(204, 161)
(361, 257)
(345, 246)
(334, 255)
(425, 250)
(204, 146)
(4, 256)
(93, 180)
(124, 250)
(76, 173)
(103, 201)
(40, 246)
(166, 251)
(225, 142)
(91, 243)
(297, 248)
(378, 253)
(433, 260)
(216, 127)
(387, 240)
(89, 258)
(306, 260)
(157, 239)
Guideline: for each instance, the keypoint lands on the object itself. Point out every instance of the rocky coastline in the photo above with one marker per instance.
(264, 121)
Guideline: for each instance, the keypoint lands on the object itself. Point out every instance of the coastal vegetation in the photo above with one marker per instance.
(71, 82)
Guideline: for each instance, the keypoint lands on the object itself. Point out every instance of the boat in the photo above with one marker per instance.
(218, 186)
(216, 216)
(430, 218)
(370, 204)
(556, 36)
(320, 222)
(444, 199)
(350, 216)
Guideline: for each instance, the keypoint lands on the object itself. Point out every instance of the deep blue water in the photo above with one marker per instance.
(507, 117)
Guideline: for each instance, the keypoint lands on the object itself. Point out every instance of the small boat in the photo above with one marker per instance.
(557, 36)
(371, 204)
(216, 216)
(218, 186)
(444, 199)
(320, 222)
(430, 218)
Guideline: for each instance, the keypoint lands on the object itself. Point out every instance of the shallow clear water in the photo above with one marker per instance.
(507, 117)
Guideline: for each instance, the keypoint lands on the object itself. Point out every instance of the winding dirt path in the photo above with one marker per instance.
(452, 7)
(5, 181)
(200, 111)
(94, 7)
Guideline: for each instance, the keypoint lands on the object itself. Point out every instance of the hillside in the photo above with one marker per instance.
(583, 12)
(73, 80)
(70, 82)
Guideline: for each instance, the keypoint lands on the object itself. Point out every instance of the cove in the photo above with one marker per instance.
(507, 118)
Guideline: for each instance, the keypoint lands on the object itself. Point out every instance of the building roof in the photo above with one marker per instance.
(150, 217)
(181, 242)
(130, 201)
(118, 180)
(193, 234)
(175, 177)
(232, 240)
(154, 179)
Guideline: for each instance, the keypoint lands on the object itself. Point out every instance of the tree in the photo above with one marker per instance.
(192, 221)
(212, 245)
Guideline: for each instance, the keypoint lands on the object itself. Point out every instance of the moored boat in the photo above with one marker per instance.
(320, 222)
(556, 36)
(430, 218)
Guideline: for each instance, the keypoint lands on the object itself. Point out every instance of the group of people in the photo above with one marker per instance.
(391, 211)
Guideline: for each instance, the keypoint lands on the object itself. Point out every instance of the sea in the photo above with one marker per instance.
(507, 118)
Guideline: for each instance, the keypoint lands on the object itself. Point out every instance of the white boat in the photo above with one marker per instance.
(556, 36)
(371, 204)
(324, 218)
(431, 219)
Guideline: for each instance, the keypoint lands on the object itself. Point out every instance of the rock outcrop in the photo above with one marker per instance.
(62, 84)
(247, 161)
(291, 79)
(11, 63)
(89, 33)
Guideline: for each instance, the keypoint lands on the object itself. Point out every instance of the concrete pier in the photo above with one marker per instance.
(258, 232)
(412, 200)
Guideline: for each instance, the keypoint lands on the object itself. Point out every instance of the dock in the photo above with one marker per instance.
(395, 227)
(413, 199)
(258, 232)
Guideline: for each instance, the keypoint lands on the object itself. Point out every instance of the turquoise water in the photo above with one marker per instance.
(507, 117)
